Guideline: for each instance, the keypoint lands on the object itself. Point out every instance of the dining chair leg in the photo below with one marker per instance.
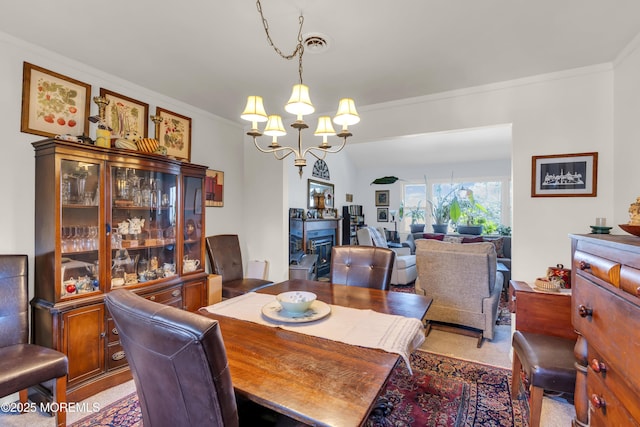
(515, 376)
(60, 397)
(24, 398)
(535, 406)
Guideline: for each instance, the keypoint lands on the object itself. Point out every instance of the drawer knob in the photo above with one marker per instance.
(598, 366)
(585, 311)
(114, 331)
(584, 265)
(152, 298)
(118, 355)
(175, 293)
(598, 401)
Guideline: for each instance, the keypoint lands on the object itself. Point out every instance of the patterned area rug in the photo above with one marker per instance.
(504, 315)
(442, 391)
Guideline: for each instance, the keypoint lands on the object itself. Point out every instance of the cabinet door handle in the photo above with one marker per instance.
(584, 311)
(152, 298)
(598, 401)
(584, 265)
(175, 293)
(598, 366)
(103, 334)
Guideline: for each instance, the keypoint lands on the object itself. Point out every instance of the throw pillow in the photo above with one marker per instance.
(452, 239)
(433, 236)
(499, 245)
(478, 239)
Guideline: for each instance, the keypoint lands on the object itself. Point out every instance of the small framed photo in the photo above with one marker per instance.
(214, 188)
(53, 104)
(124, 114)
(174, 133)
(564, 175)
(382, 198)
(383, 214)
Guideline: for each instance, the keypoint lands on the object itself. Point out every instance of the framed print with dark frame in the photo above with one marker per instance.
(564, 175)
(382, 197)
(214, 188)
(320, 195)
(174, 133)
(53, 104)
(124, 114)
(383, 214)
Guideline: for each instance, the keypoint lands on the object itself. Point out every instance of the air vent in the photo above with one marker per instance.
(315, 43)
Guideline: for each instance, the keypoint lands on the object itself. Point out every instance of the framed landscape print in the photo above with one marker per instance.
(382, 198)
(174, 133)
(214, 188)
(53, 104)
(564, 175)
(124, 114)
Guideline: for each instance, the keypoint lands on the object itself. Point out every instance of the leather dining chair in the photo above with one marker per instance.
(179, 366)
(363, 266)
(225, 259)
(23, 365)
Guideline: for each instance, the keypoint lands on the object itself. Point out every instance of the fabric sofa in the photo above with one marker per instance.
(404, 267)
(462, 280)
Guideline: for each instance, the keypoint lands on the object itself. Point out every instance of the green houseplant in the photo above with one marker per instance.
(471, 216)
(443, 207)
(416, 214)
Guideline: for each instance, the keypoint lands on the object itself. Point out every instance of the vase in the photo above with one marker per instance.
(417, 228)
(440, 228)
(475, 230)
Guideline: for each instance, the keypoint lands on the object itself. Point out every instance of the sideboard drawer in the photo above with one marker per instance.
(604, 408)
(602, 268)
(603, 319)
(630, 280)
(116, 356)
(171, 296)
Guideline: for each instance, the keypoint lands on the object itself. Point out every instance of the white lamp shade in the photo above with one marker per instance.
(300, 103)
(347, 114)
(324, 127)
(274, 126)
(254, 111)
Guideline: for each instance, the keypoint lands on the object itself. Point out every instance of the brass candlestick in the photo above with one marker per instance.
(156, 120)
(102, 103)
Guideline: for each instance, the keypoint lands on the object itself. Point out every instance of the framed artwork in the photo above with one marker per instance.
(383, 214)
(214, 188)
(564, 175)
(382, 198)
(53, 104)
(124, 114)
(174, 133)
(320, 195)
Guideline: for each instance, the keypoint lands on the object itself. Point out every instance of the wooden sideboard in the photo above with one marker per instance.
(606, 313)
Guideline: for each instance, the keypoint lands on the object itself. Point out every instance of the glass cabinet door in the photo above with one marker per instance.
(193, 222)
(143, 226)
(79, 240)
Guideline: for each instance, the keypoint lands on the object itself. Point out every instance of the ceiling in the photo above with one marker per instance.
(214, 54)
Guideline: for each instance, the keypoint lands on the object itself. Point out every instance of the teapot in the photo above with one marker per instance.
(123, 227)
(190, 265)
(136, 225)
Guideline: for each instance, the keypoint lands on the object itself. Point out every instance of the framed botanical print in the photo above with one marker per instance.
(564, 175)
(214, 188)
(53, 104)
(124, 114)
(174, 133)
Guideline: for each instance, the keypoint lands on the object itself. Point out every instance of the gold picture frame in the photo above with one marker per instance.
(124, 114)
(174, 132)
(214, 188)
(53, 104)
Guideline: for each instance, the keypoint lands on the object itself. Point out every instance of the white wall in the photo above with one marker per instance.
(216, 143)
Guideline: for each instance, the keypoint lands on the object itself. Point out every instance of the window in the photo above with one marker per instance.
(493, 194)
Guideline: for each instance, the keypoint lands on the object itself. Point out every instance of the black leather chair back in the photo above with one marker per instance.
(225, 256)
(178, 361)
(14, 304)
(364, 266)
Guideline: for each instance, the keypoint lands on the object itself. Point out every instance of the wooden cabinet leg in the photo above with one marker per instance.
(581, 401)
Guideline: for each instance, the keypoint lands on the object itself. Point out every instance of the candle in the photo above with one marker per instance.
(601, 222)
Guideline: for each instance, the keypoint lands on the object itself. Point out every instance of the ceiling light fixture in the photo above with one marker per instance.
(299, 105)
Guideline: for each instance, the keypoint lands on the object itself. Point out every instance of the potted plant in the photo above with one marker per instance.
(443, 206)
(471, 215)
(416, 215)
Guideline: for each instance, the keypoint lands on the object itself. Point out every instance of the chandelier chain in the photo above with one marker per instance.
(298, 51)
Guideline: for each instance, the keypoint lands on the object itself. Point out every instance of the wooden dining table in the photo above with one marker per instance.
(316, 381)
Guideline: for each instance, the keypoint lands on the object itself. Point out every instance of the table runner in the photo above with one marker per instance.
(366, 328)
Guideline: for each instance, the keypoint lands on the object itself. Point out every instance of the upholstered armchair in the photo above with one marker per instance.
(404, 268)
(463, 281)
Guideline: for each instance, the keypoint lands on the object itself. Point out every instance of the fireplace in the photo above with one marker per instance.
(316, 236)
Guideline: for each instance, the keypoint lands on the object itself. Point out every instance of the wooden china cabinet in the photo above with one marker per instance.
(108, 219)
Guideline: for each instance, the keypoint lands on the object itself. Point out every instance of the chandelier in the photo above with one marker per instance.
(299, 105)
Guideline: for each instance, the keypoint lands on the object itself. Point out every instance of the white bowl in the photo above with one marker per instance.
(296, 301)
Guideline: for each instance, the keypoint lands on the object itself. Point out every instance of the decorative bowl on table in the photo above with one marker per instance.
(296, 301)
(631, 229)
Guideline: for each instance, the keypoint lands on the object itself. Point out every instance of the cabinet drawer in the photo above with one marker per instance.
(605, 320)
(602, 268)
(116, 356)
(612, 412)
(171, 296)
(112, 332)
(630, 280)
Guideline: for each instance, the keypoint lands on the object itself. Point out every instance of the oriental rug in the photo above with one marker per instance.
(442, 391)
